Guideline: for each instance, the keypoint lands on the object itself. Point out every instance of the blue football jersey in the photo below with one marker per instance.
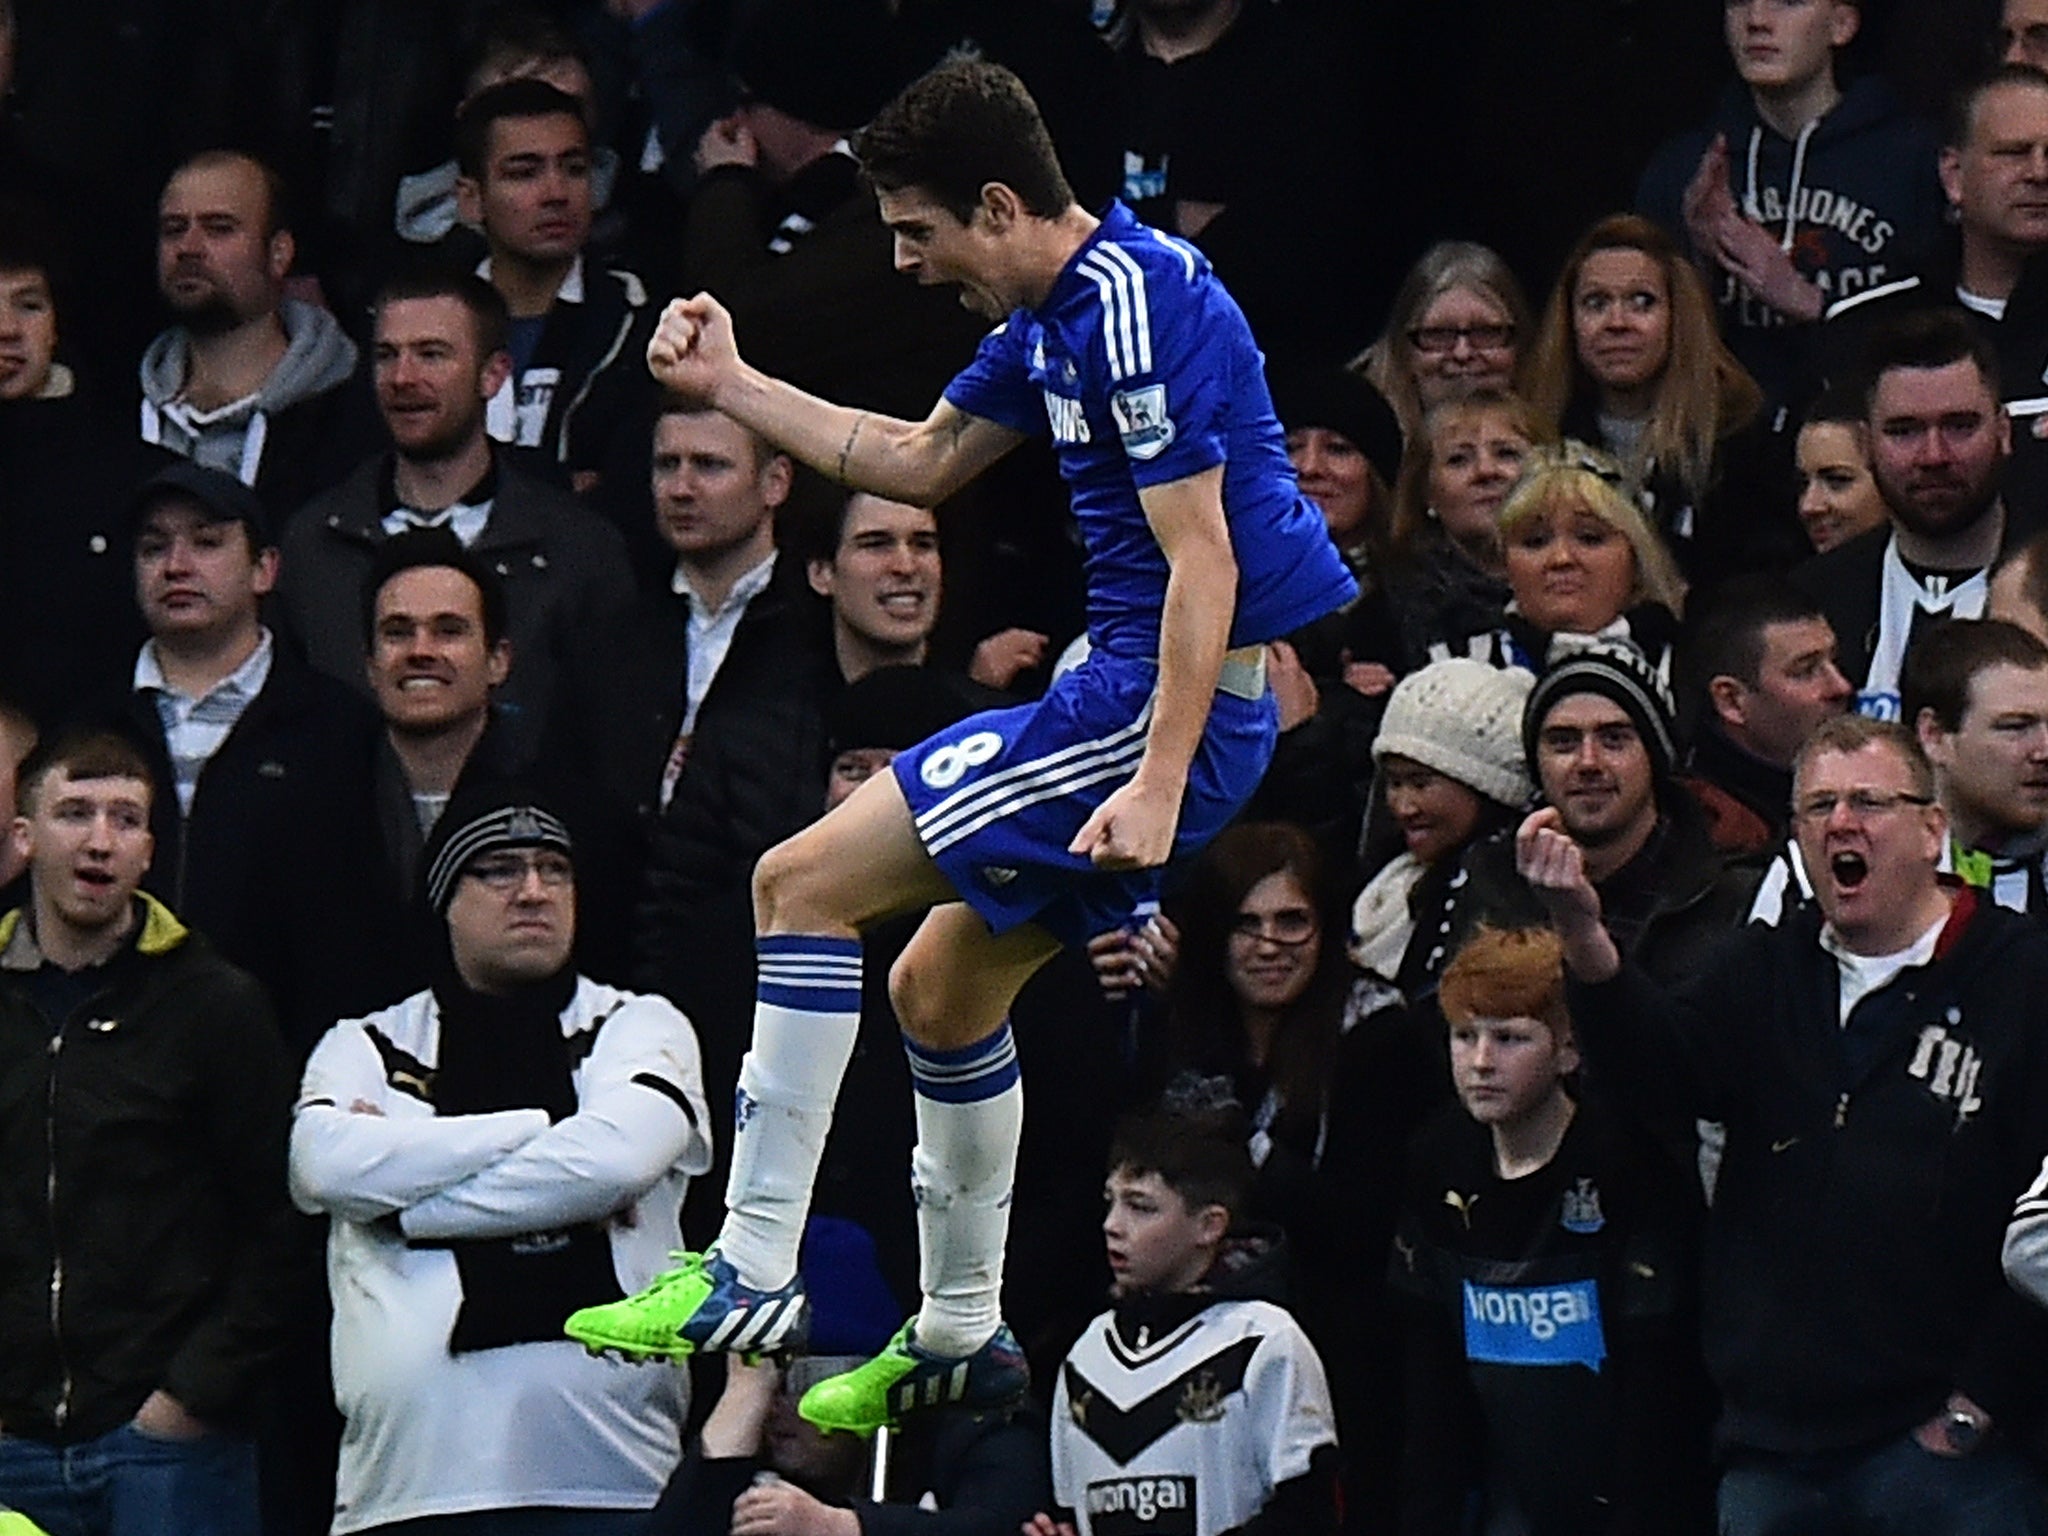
(1143, 368)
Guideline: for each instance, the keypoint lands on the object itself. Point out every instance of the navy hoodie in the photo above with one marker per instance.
(1854, 198)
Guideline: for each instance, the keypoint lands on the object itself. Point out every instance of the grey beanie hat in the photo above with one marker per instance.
(1464, 719)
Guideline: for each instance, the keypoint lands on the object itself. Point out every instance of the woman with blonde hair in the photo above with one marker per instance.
(1627, 357)
(1581, 563)
(1458, 324)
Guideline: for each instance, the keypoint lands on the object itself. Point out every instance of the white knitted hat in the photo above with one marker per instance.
(1464, 719)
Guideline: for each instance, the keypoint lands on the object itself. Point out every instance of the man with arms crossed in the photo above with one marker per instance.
(1031, 827)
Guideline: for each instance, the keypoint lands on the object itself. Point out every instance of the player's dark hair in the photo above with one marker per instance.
(1198, 1153)
(520, 98)
(417, 548)
(490, 321)
(1943, 664)
(1927, 339)
(82, 752)
(956, 129)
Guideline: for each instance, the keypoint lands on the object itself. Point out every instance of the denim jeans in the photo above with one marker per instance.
(127, 1484)
(1897, 1489)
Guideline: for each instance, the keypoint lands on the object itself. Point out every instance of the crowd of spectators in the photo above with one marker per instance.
(1604, 1086)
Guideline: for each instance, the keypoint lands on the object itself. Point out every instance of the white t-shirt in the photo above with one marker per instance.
(1864, 974)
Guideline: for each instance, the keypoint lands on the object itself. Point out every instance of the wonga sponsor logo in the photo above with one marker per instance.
(1142, 1506)
(1535, 1324)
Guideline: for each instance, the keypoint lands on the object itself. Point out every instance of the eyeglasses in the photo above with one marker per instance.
(1438, 339)
(507, 872)
(1863, 804)
(1289, 927)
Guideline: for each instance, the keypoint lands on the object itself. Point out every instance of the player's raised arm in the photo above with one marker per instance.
(693, 354)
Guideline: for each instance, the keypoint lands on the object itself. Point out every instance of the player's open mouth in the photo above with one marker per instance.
(1849, 869)
(98, 879)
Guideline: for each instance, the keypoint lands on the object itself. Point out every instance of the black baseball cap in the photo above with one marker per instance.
(221, 496)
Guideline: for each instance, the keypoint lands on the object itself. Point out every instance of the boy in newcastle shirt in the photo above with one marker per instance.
(1543, 1255)
(1195, 1405)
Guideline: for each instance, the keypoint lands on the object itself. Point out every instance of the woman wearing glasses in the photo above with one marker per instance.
(1627, 358)
(1458, 324)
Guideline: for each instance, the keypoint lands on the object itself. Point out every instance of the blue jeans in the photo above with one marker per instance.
(127, 1484)
(1898, 1489)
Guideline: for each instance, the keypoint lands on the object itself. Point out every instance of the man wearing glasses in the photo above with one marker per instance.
(512, 1142)
(1878, 1064)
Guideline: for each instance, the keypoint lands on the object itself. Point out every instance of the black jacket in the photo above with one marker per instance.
(1851, 1269)
(591, 360)
(760, 780)
(272, 863)
(69, 626)
(622, 704)
(1747, 800)
(144, 1226)
(1669, 905)
(1741, 520)
(563, 568)
(1848, 583)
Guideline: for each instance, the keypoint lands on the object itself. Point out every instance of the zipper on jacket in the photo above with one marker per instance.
(63, 1408)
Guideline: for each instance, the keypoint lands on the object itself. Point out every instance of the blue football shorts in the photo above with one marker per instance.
(998, 797)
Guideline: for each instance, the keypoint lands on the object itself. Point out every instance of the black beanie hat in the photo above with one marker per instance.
(481, 819)
(1340, 401)
(1615, 670)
